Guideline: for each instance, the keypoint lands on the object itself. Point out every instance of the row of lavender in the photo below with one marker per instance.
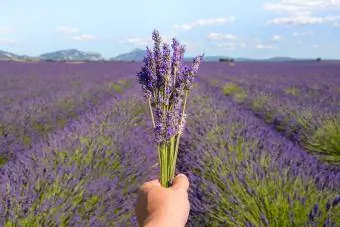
(86, 174)
(34, 104)
(243, 173)
(305, 107)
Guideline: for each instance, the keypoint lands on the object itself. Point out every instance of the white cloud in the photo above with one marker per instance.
(277, 38)
(303, 12)
(203, 22)
(306, 33)
(302, 6)
(264, 46)
(84, 37)
(8, 42)
(315, 46)
(67, 30)
(145, 41)
(219, 36)
(138, 41)
(297, 20)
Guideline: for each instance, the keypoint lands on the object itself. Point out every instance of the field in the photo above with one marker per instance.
(261, 145)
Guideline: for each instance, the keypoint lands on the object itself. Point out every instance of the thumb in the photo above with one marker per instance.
(180, 182)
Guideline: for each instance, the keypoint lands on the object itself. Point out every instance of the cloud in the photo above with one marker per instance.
(203, 22)
(146, 41)
(277, 38)
(8, 42)
(264, 46)
(219, 36)
(315, 46)
(84, 37)
(303, 12)
(300, 7)
(303, 20)
(306, 33)
(296, 20)
(67, 30)
(138, 41)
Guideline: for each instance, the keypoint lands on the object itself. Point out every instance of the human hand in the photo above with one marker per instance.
(163, 207)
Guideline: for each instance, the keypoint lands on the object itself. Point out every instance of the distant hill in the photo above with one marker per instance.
(6, 56)
(71, 55)
(134, 55)
(138, 55)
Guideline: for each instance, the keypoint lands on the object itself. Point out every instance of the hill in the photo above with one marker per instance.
(71, 55)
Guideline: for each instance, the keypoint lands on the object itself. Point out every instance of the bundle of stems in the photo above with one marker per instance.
(166, 84)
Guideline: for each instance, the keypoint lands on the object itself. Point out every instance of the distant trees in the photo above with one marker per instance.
(318, 59)
(229, 60)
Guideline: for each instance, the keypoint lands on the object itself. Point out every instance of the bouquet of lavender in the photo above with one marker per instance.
(166, 85)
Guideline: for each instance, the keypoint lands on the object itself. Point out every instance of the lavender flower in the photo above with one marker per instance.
(166, 85)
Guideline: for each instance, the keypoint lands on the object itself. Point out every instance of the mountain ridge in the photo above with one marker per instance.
(134, 55)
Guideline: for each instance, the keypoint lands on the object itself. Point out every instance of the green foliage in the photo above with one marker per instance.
(3, 160)
(214, 82)
(232, 89)
(326, 139)
(292, 91)
(259, 101)
(119, 86)
(41, 128)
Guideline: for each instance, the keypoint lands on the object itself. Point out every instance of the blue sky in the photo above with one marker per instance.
(252, 28)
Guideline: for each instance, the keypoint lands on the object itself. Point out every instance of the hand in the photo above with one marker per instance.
(163, 207)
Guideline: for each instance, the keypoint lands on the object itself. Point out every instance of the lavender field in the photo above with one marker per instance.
(261, 145)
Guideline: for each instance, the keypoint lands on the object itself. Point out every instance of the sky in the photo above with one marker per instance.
(235, 28)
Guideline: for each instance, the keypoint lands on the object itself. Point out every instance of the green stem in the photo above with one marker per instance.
(178, 138)
(172, 159)
(165, 171)
(152, 118)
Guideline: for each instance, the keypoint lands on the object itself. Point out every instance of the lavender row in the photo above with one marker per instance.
(21, 126)
(314, 125)
(303, 107)
(85, 174)
(243, 173)
(25, 81)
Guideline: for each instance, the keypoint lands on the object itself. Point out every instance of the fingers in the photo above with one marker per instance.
(152, 183)
(181, 182)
